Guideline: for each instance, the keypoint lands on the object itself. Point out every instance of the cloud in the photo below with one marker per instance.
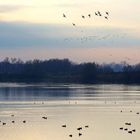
(10, 8)
(27, 41)
(18, 35)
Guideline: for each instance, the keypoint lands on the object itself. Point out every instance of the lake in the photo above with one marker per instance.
(102, 111)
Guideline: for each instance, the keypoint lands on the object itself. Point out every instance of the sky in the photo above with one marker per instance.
(32, 29)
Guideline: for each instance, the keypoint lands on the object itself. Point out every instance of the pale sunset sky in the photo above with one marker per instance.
(37, 29)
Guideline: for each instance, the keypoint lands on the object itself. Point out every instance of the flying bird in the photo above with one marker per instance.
(99, 13)
(107, 13)
(96, 14)
(64, 15)
(73, 24)
(83, 16)
(89, 15)
(106, 18)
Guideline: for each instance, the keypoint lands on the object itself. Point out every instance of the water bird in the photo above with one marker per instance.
(80, 134)
(127, 123)
(79, 128)
(24, 121)
(3, 123)
(125, 129)
(64, 15)
(130, 132)
(64, 125)
(86, 126)
(13, 121)
(137, 113)
(121, 128)
(134, 130)
(70, 135)
(44, 118)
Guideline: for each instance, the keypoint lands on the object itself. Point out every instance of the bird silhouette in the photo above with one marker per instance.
(44, 118)
(83, 17)
(106, 17)
(80, 134)
(107, 13)
(80, 128)
(134, 130)
(130, 132)
(127, 123)
(73, 24)
(96, 14)
(3, 123)
(89, 15)
(70, 135)
(99, 13)
(64, 125)
(64, 15)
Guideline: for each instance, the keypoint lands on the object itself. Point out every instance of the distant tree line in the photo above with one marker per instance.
(65, 71)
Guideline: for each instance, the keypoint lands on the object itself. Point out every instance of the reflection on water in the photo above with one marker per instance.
(24, 92)
(104, 108)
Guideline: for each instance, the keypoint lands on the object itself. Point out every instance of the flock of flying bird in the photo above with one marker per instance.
(88, 38)
(98, 13)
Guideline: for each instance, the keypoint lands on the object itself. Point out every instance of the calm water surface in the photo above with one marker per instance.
(104, 108)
